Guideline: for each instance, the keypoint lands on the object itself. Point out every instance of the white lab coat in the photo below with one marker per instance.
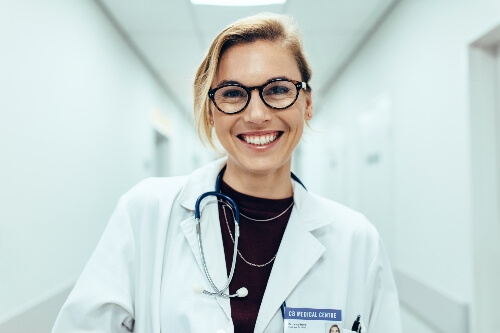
(147, 263)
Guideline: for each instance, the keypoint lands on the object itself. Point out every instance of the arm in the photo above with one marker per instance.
(383, 310)
(102, 299)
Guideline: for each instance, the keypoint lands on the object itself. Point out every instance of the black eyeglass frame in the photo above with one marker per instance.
(299, 85)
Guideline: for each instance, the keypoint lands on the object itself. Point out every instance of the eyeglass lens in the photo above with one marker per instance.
(276, 94)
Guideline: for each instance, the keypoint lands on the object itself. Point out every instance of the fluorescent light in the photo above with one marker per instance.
(238, 2)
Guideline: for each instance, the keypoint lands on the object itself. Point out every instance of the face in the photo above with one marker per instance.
(334, 329)
(260, 140)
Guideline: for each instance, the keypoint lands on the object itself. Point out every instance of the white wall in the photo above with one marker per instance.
(418, 62)
(75, 133)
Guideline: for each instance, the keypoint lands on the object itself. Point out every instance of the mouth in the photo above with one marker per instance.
(260, 139)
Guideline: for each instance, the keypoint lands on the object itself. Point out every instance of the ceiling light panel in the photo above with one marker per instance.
(238, 2)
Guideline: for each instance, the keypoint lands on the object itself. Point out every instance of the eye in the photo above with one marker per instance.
(278, 90)
(232, 93)
(229, 93)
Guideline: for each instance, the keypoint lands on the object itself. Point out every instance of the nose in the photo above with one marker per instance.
(256, 111)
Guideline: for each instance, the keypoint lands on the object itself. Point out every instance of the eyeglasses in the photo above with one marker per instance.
(277, 94)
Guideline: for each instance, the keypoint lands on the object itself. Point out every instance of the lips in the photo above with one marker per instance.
(260, 139)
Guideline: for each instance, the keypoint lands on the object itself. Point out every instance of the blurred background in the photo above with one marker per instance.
(96, 95)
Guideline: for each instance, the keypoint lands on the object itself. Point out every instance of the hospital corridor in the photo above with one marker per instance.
(402, 124)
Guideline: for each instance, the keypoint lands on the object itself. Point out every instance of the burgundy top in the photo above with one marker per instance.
(258, 243)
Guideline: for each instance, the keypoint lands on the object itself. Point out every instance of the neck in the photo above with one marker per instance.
(270, 185)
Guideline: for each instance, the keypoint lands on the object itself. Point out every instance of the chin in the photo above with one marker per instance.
(263, 165)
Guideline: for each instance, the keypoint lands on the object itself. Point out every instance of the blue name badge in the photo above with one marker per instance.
(312, 320)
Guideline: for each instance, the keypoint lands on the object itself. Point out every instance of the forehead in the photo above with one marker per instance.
(256, 62)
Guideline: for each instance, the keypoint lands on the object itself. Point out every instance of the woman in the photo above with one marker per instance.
(147, 273)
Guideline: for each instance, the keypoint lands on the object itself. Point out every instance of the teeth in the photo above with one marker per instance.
(260, 140)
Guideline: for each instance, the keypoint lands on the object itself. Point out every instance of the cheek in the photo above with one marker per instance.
(223, 125)
(300, 110)
(299, 118)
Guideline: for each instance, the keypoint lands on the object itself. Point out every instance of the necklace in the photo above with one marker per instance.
(224, 205)
(272, 218)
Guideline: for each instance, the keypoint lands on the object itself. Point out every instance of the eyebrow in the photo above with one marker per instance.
(224, 82)
(233, 82)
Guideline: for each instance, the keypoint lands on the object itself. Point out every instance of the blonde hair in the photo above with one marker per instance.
(264, 26)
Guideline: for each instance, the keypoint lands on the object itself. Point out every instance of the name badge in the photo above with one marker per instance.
(312, 320)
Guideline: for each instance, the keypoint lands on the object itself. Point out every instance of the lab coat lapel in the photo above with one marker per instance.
(299, 251)
(212, 248)
(198, 183)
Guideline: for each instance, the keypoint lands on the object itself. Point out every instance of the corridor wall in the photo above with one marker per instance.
(409, 169)
(75, 134)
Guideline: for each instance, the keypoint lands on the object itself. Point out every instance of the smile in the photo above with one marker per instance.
(260, 140)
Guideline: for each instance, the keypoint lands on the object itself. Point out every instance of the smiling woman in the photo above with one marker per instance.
(172, 258)
(260, 137)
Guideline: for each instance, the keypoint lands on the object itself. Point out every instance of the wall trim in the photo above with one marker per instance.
(37, 314)
(437, 309)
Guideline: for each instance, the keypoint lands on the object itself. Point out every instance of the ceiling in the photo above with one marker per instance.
(172, 36)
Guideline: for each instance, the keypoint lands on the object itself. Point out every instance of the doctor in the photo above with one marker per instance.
(148, 274)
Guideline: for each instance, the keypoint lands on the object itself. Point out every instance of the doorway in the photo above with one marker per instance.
(161, 155)
(484, 89)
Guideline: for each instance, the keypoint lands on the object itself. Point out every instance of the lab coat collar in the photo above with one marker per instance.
(202, 180)
(310, 208)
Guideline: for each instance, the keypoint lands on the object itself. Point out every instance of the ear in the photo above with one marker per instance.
(211, 118)
(309, 113)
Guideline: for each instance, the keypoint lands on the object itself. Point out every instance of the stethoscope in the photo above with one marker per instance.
(242, 292)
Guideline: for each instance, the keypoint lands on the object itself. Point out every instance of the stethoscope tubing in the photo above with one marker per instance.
(197, 214)
(236, 216)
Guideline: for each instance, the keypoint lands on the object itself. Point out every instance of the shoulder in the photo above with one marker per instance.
(166, 190)
(152, 192)
(339, 220)
(348, 216)
(323, 211)
(348, 232)
(154, 187)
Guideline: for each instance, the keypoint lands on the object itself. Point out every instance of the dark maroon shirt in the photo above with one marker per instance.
(258, 243)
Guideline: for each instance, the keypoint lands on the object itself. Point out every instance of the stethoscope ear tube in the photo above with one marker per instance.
(231, 202)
